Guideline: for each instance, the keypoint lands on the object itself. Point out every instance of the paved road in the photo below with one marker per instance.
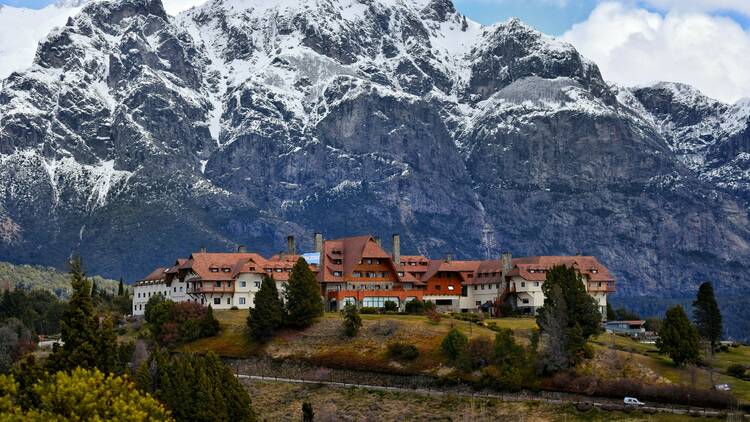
(502, 397)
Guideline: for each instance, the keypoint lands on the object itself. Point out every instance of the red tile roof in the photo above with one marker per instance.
(529, 267)
(229, 264)
(155, 275)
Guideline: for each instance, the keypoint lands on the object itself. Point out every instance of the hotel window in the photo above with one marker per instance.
(337, 273)
(382, 275)
(229, 284)
(437, 287)
(257, 284)
(180, 288)
(525, 301)
(243, 283)
(174, 289)
(226, 270)
(450, 287)
(482, 286)
(475, 287)
(369, 261)
(536, 284)
(242, 301)
(278, 270)
(357, 274)
(217, 301)
(400, 273)
(214, 270)
(218, 284)
(479, 303)
(229, 301)
(523, 284)
(470, 275)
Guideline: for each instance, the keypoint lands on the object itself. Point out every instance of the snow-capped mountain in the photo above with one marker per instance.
(136, 136)
(21, 29)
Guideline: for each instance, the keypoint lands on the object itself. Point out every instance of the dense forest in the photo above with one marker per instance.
(35, 277)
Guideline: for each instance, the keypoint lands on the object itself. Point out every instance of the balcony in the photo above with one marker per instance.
(604, 288)
(211, 288)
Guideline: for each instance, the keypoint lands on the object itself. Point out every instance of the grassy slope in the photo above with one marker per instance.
(34, 277)
(283, 402)
(324, 343)
(646, 356)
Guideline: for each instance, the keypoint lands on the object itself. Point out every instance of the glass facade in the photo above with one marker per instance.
(378, 302)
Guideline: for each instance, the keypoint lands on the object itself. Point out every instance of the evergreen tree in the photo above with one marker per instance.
(209, 325)
(707, 315)
(196, 388)
(352, 321)
(303, 299)
(86, 342)
(78, 329)
(611, 316)
(453, 344)
(267, 313)
(308, 415)
(120, 288)
(568, 313)
(678, 338)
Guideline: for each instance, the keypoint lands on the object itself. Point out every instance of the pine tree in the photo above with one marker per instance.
(707, 315)
(678, 338)
(568, 305)
(267, 313)
(120, 288)
(78, 327)
(611, 316)
(308, 415)
(453, 344)
(87, 342)
(352, 321)
(209, 325)
(303, 300)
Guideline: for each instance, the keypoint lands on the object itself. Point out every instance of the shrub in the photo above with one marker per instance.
(478, 353)
(736, 370)
(234, 308)
(453, 344)
(390, 306)
(368, 310)
(434, 317)
(402, 351)
(385, 328)
(352, 321)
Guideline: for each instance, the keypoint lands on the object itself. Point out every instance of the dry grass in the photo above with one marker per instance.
(324, 343)
(283, 402)
(232, 341)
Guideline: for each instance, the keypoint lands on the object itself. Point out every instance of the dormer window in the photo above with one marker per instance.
(400, 273)
(214, 270)
(594, 271)
(337, 273)
(278, 270)
(357, 274)
(532, 271)
(226, 270)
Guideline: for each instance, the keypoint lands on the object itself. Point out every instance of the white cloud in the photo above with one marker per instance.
(22, 28)
(634, 46)
(741, 6)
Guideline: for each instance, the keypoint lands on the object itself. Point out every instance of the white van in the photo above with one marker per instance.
(632, 401)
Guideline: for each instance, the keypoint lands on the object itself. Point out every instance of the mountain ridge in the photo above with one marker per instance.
(137, 136)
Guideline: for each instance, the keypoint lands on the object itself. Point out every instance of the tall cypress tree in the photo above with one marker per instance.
(120, 288)
(707, 315)
(303, 300)
(678, 338)
(78, 327)
(566, 296)
(267, 315)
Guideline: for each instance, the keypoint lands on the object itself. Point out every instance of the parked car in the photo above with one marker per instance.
(722, 387)
(632, 401)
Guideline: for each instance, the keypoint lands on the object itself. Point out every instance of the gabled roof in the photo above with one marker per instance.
(156, 275)
(463, 268)
(237, 262)
(351, 251)
(528, 267)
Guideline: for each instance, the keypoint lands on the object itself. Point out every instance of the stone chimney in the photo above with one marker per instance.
(448, 257)
(396, 249)
(241, 249)
(291, 248)
(377, 241)
(318, 242)
(507, 261)
(203, 249)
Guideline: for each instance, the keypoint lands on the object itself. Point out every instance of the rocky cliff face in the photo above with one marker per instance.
(137, 137)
